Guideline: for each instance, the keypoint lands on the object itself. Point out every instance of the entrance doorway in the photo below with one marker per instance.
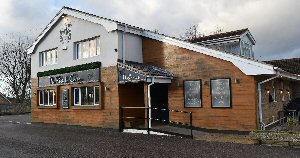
(132, 95)
(159, 102)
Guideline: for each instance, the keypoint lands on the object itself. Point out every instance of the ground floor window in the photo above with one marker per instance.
(47, 97)
(84, 96)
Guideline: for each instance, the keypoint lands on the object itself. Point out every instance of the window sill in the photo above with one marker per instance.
(47, 107)
(86, 107)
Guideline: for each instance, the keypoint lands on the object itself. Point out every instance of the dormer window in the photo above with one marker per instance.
(48, 57)
(246, 49)
(88, 48)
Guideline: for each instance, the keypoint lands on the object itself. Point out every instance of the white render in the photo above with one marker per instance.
(81, 30)
(133, 47)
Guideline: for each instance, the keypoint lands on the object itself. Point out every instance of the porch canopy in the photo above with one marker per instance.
(133, 72)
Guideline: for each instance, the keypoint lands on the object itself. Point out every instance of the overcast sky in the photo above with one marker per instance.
(275, 24)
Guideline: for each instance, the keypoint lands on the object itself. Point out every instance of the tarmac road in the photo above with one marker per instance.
(19, 138)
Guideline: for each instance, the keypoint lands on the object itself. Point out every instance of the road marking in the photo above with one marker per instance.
(28, 123)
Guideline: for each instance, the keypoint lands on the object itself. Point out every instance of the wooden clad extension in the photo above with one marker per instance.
(190, 65)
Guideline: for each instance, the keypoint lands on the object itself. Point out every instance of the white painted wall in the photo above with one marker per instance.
(80, 30)
(133, 47)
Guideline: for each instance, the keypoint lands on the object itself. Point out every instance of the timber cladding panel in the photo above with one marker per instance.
(107, 116)
(190, 65)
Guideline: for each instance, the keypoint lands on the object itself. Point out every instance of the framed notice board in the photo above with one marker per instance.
(221, 93)
(192, 93)
(65, 99)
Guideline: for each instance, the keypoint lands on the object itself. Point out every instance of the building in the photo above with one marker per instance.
(85, 68)
(239, 42)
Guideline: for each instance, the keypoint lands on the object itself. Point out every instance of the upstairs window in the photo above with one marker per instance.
(48, 57)
(246, 50)
(88, 48)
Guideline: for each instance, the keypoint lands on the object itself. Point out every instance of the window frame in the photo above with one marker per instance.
(54, 97)
(78, 48)
(230, 91)
(86, 91)
(95, 94)
(44, 57)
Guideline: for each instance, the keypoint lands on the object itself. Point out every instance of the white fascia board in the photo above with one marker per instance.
(159, 79)
(107, 24)
(248, 67)
(130, 29)
(248, 34)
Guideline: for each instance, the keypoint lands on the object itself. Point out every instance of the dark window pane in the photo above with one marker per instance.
(90, 92)
(46, 97)
(84, 97)
(41, 97)
(97, 95)
(76, 96)
(51, 97)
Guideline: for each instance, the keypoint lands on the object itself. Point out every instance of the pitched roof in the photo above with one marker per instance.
(289, 65)
(232, 34)
(247, 66)
(146, 69)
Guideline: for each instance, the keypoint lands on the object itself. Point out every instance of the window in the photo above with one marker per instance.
(86, 96)
(47, 97)
(246, 49)
(220, 92)
(88, 48)
(48, 57)
(192, 93)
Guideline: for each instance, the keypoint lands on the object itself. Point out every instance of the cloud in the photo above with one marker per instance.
(274, 24)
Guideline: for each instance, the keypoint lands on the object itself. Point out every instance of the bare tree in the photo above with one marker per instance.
(15, 67)
(191, 33)
(218, 30)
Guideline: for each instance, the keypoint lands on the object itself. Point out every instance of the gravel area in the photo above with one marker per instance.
(49, 140)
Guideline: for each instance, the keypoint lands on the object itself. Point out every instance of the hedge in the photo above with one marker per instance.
(76, 68)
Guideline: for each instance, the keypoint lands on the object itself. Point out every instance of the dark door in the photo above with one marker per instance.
(159, 99)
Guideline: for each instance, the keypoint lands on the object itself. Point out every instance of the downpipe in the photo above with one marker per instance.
(149, 103)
